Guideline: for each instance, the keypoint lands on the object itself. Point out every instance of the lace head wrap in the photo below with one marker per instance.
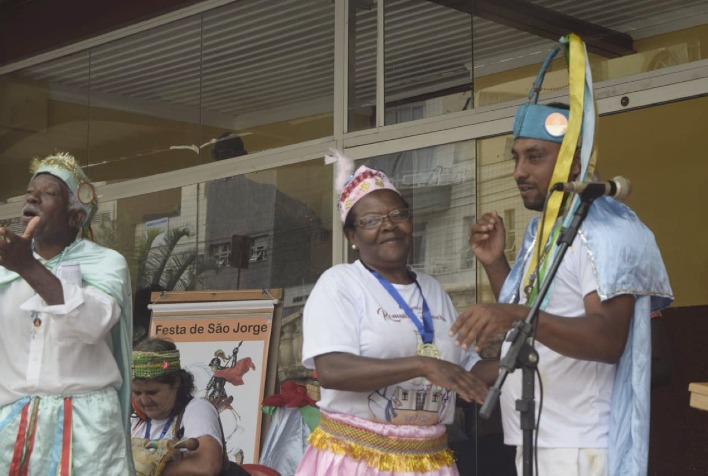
(352, 187)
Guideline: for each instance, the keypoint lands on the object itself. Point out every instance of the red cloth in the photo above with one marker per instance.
(291, 394)
(234, 375)
(259, 470)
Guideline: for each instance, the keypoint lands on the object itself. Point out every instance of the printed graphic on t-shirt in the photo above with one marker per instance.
(412, 404)
(416, 401)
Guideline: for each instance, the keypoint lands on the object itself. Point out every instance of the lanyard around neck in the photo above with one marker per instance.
(426, 329)
(148, 426)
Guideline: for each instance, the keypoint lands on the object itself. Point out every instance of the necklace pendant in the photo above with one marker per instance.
(428, 350)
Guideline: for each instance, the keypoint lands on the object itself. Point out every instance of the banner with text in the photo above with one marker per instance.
(225, 346)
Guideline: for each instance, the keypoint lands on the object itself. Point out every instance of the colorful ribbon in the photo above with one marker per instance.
(583, 117)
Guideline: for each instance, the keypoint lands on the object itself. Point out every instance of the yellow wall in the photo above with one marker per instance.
(663, 151)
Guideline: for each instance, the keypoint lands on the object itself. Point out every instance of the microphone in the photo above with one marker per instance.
(618, 188)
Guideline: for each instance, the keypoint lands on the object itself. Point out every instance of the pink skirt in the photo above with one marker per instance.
(344, 445)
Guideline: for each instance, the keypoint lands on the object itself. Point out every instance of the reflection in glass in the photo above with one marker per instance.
(497, 191)
(41, 114)
(362, 65)
(428, 59)
(160, 100)
(508, 55)
(268, 73)
(270, 229)
(144, 103)
(157, 233)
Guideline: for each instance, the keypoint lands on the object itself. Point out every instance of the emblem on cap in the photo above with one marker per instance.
(86, 193)
(556, 124)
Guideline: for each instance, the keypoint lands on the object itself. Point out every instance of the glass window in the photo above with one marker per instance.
(159, 235)
(440, 58)
(41, 114)
(259, 248)
(239, 79)
(277, 226)
(144, 96)
(507, 55)
(270, 229)
(362, 65)
(268, 73)
(428, 59)
(497, 191)
(220, 253)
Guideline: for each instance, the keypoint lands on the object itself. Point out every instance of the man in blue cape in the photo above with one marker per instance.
(592, 332)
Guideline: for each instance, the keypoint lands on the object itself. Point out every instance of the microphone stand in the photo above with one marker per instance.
(521, 353)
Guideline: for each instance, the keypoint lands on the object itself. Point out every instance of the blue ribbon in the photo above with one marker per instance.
(426, 329)
(148, 426)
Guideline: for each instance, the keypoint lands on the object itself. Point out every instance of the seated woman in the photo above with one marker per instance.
(164, 408)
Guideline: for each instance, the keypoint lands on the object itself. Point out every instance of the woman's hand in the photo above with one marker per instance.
(361, 374)
(455, 378)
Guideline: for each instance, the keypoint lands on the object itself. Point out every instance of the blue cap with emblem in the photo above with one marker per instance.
(535, 121)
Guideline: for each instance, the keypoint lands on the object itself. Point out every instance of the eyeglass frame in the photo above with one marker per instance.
(380, 218)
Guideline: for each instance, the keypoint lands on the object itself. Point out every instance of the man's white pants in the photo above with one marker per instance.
(566, 461)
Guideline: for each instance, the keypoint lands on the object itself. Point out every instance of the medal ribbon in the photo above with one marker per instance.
(148, 427)
(427, 332)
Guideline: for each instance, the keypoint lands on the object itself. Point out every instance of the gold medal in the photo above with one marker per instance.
(428, 350)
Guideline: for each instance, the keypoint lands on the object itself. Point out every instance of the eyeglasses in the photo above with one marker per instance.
(398, 215)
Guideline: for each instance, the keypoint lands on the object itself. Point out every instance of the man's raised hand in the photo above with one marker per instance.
(488, 238)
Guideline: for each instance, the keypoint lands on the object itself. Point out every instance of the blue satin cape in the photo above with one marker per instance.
(626, 260)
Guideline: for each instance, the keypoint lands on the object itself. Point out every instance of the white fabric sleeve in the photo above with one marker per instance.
(201, 419)
(86, 316)
(331, 319)
(587, 277)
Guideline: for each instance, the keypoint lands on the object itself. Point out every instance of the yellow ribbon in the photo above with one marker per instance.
(576, 73)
